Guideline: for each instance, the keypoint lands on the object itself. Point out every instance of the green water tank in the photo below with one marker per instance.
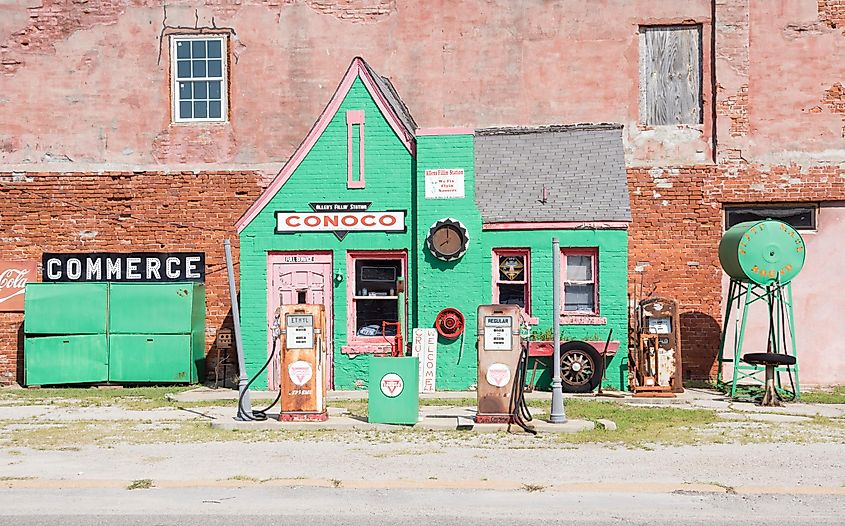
(762, 252)
(394, 390)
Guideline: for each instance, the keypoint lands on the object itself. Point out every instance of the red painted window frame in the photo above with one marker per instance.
(370, 343)
(579, 251)
(526, 253)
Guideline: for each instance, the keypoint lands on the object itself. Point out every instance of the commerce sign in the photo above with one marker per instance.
(132, 267)
(14, 275)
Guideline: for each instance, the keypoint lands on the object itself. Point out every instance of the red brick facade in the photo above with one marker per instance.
(156, 212)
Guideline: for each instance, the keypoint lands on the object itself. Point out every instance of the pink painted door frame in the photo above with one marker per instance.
(297, 277)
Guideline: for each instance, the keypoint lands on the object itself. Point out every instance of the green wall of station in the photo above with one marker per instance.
(396, 181)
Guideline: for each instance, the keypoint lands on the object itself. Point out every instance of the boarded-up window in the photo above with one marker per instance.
(670, 75)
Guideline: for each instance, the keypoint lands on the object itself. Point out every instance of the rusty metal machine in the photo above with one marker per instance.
(303, 358)
(657, 358)
(502, 362)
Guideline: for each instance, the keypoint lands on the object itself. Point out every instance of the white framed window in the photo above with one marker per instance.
(199, 78)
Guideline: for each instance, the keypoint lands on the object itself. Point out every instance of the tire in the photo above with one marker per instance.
(580, 367)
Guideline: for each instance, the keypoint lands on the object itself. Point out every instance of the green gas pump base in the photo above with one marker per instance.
(394, 390)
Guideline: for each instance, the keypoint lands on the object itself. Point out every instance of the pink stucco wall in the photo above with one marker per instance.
(817, 303)
(83, 83)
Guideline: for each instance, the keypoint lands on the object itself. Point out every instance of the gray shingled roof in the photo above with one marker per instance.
(392, 97)
(582, 168)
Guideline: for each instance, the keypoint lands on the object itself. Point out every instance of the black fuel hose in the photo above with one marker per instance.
(518, 406)
(258, 414)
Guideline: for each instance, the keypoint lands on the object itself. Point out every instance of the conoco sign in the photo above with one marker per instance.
(340, 218)
(14, 275)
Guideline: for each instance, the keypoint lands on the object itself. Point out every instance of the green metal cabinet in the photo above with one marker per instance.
(66, 359)
(65, 308)
(394, 390)
(139, 333)
(150, 358)
(156, 308)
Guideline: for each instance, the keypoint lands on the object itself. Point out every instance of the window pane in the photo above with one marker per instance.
(214, 109)
(370, 313)
(376, 277)
(185, 110)
(801, 218)
(512, 295)
(579, 268)
(183, 69)
(200, 110)
(214, 49)
(198, 48)
(199, 68)
(579, 298)
(200, 90)
(215, 68)
(183, 49)
(511, 268)
(214, 90)
(184, 90)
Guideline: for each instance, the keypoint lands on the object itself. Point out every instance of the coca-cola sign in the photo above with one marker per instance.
(14, 275)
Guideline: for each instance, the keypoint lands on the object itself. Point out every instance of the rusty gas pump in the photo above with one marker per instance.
(303, 358)
(502, 364)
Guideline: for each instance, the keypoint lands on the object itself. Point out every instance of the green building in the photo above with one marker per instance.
(466, 217)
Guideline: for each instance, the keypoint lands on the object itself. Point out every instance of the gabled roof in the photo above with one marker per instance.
(551, 174)
(385, 97)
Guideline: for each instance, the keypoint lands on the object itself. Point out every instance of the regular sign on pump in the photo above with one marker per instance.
(497, 333)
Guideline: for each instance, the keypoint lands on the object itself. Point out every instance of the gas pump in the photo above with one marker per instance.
(657, 362)
(502, 363)
(302, 353)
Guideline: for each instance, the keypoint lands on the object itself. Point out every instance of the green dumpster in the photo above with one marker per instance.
(65, 308)
(394, 390)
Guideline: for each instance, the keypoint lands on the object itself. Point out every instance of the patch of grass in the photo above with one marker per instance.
(245, 478)
(5, 479)
(637, 426)
(129, 397)
(140, 484)
(531, 488)
(835, 395)
(336, 483)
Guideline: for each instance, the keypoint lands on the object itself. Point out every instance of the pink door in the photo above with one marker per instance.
(300, 278)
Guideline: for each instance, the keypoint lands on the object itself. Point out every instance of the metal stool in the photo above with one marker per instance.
(771, 361)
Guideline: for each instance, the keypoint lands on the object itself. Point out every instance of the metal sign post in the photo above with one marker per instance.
(245, 405)
(557, 416)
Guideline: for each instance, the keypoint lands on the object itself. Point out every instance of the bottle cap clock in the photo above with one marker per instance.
(448, 239)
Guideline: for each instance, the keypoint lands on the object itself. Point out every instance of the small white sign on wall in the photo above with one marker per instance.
(424, 346)
(444, 183)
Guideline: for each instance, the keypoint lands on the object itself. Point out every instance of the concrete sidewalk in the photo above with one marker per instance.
(449, 418)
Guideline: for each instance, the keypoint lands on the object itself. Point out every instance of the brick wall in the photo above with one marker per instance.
(121, 212)
(676, 230)
(832, 12)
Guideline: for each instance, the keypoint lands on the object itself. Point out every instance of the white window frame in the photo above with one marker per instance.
(224, 78)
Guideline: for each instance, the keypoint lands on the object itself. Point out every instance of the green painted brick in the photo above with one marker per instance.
(395, 180)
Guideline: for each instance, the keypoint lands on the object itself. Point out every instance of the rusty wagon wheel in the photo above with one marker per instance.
(580, 367)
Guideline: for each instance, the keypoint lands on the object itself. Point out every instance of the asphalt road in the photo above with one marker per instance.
(307, 506)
